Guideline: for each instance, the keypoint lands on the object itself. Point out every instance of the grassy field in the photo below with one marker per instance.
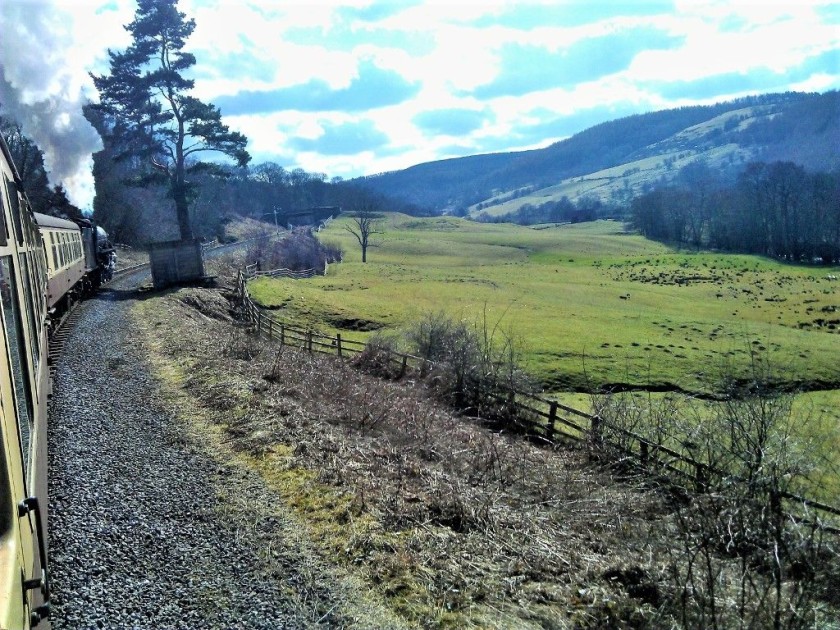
(590, 305)
(391, 511)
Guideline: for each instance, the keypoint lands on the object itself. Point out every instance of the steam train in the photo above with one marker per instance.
(45, 265)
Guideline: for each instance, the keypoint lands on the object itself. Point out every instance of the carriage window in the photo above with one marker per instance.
(30, 305)
(16, 355)
(4, 239)
(14, 206)
(54, 251)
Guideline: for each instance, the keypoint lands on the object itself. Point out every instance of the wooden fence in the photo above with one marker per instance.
(538, 417)
(251, 271)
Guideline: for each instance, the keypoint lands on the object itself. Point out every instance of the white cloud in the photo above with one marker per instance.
(448, 49)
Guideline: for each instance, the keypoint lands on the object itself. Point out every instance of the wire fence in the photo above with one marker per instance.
(536, 416)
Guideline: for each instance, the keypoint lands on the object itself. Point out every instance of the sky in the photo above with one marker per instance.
(359, 87)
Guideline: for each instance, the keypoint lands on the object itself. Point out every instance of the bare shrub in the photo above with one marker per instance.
(778, 553)
(259, 247)
(473, 367)
(333, 251)
(241, 344)
(430, 335)
(745, 554)
(379, 357)
(450, 506)
(299, 251)
(739, 563)
(274, 375)
(370, 408)
(626, 415)
(420, 426)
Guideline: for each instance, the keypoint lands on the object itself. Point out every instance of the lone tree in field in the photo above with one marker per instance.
(365, 224)
(148, 97)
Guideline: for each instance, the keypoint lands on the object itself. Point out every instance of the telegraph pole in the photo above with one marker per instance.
(274, 212)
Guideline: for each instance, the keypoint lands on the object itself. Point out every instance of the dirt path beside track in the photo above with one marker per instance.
(146, 529)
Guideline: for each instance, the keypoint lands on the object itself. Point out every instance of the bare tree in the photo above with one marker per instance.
(365, 224)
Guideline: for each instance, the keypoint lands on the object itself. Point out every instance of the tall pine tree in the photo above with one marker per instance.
(148, 96)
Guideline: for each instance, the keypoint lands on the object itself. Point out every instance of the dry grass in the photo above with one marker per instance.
(131, 257)
(437, 520)
(449, 523)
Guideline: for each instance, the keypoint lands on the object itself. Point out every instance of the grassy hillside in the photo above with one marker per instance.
(618, 184)
(591, 305)
(617, 159)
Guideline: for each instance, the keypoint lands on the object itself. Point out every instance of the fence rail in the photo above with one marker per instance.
(252, 272)
(537, 416)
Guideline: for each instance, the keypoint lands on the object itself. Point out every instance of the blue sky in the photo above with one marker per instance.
(355, 88)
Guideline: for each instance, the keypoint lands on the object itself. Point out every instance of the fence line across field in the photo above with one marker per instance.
(253, 272)
(538, 417)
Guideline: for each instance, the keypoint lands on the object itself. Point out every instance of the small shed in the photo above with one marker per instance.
(176, 262)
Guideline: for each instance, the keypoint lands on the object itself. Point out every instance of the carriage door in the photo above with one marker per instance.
(16, 400)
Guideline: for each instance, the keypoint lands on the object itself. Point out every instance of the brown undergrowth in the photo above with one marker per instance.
(441, 520)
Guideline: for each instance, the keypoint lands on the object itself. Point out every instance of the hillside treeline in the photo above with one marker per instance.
(803, 128)
(563, 210)
(778, 210)
(133, 205)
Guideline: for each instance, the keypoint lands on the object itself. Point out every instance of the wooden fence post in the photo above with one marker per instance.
(552, 420)
(338, 343)
(645, 453)
(404, 366)
(595, 429)
(309, 340)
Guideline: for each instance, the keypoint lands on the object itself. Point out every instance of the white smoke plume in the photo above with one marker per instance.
(43, 89)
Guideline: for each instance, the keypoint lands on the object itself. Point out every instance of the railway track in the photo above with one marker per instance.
(59, 336)
(62, 329)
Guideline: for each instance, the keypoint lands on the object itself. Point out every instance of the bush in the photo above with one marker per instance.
(299, 251)
(333, 251)
(379, 358)
(472, 367)
(744, 555)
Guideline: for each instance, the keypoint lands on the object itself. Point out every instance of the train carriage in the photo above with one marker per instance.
(65, 256)
(24, 390)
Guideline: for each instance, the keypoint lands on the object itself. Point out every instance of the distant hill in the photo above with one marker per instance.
(616, 160)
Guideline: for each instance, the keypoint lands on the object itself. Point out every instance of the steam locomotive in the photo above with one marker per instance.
(45, 265)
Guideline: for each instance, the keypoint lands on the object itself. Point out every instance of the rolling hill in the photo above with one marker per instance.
(617, 159)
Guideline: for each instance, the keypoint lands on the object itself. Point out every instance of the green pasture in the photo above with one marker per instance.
(812, 421)
(590, 305)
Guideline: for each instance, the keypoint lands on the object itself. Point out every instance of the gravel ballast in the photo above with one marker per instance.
(138, 535)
